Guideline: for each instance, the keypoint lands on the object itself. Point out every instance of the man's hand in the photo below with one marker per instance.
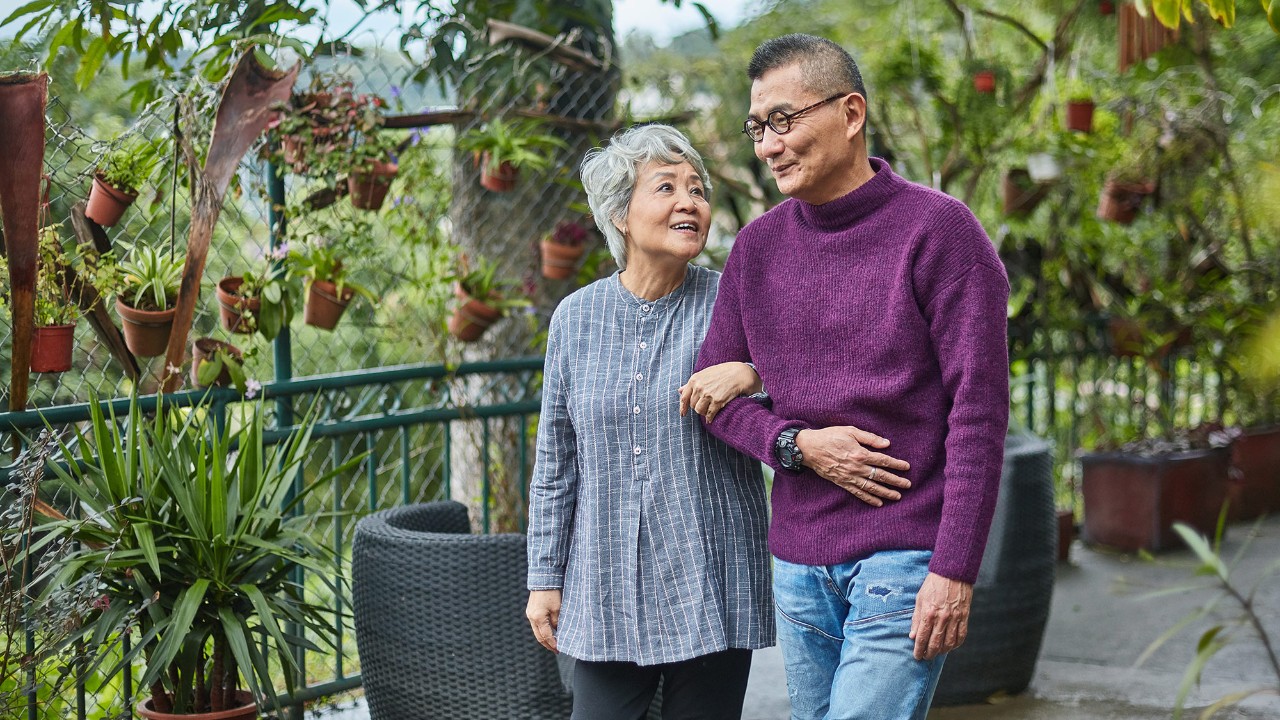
(710, 389)
(840, 454)
(543, 612)
(941, 620)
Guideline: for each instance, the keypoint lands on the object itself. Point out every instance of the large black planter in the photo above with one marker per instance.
(1015, 584)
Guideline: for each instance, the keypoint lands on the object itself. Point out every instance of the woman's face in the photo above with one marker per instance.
(669, 215)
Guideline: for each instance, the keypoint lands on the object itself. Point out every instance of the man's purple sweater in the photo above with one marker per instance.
(883, 309)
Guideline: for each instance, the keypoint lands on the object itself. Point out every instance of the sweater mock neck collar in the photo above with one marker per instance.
(858, 203)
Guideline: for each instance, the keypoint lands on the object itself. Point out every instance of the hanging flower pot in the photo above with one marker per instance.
(501, 180)
(51, 348)
(1080, 115)
(1021, 195)
(146, 332)
(106, 203)
(560, 262)
(1106, 7)
(324, 307)
(471, 318)
(206, 348)
(984, 81)
(1119, 201)
(235, 310)
(368, 189)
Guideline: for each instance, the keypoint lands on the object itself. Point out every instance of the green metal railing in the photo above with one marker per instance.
(405, 418)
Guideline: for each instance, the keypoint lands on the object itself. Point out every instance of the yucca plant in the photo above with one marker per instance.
(188, 534)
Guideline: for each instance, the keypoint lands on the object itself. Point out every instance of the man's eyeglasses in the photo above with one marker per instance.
(780, 122)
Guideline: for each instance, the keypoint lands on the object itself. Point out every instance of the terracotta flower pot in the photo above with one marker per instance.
(1080, 115)
(369, 189)
(324, 308)
(503, 180)
(106, 203)
(146, 332)
(245, 709)
(235, 310)
(51, 348)
(1066, 533)
(1119, 201)
(984, 81)
(1255, 479)
(471, 318)
(1106, 7)
(560, 261)
(204, 349)
(1021, 195)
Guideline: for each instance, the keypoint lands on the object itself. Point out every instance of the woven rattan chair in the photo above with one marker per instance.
(440, 624)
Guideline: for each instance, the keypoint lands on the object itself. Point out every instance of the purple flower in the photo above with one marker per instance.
(281, 252)
(395, 91)
(252, 388)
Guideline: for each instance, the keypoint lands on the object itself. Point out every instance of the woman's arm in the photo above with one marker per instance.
(709, 389)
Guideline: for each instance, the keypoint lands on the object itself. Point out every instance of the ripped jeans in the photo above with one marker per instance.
(844, 636)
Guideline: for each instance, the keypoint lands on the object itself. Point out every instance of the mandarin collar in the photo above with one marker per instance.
(857, 204)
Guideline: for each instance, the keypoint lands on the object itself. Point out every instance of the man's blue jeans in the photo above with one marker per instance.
(844, 635)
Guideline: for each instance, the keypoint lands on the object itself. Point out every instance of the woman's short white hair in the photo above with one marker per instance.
(609, 175)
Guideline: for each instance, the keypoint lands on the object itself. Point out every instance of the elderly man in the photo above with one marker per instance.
(873, 309)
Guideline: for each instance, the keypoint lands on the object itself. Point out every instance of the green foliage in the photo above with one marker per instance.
(331, 248)
(129, 164)
(274, 289)
(479, 278)
(150, 278)
(222, 359)
(54, 302)
(191, 538)
(519, 142)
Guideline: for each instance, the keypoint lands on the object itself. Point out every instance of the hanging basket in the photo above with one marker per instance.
(560, 262)
(1119, 201)
(236, 311)
(51, 348)
(472, 317)
(204, 349)
(501, 180)
(368, 190)
(106, 203)
(146, 332)
(1080, 115)
(984, 81)
(324, 307)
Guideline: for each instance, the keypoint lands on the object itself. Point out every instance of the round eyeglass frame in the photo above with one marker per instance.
(780, 122)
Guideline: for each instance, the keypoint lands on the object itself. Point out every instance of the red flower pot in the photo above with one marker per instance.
(146, 332)
(324, 308)
(235, 310)
(204, 349)
(472, 317)
(1119, 201)
(245, 709)
(369, 189)
(984, 81)
(1080, 115)
(106, 203)
(51, 348)
(1106, 7)
(501, 180)
(560, 262)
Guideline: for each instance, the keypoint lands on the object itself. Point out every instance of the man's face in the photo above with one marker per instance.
(809, 158)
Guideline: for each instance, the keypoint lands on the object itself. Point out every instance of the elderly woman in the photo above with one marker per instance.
(647, 556)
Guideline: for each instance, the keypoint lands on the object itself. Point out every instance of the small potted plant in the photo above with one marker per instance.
(116, 183)
(316, 125)
(190, 533)
(984, 81)
(372, 169)
(217, 363)
(1123, 192)
(1080, 106)
(320, 258)
(55, 308)
(258, 301)
(502, 148)
(484, 298)
(563, 249)
(146, 303)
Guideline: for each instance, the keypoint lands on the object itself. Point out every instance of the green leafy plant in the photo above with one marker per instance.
(323, 253)
(518, 142)
(274, 289)
(318, 131)
(54, 302)
(150, 278)
(190, 536)
(222, 358)
(479, 279)
(129, 165)
(1222, 580)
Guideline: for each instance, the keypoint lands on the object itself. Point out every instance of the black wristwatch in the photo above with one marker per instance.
(786, 450)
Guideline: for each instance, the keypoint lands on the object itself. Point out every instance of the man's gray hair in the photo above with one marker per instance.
(609, 175)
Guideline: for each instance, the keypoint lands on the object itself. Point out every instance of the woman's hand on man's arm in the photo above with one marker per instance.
(710, 389)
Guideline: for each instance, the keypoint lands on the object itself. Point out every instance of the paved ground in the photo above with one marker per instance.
(1104, 616)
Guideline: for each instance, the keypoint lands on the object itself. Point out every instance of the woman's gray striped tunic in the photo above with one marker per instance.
(654, 530)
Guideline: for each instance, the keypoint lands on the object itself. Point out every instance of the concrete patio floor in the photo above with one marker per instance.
(1102, 620)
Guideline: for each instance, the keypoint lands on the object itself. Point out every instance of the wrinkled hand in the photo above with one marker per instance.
(710, 389)
(841, 454)
(543, 612)
(941, 620)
